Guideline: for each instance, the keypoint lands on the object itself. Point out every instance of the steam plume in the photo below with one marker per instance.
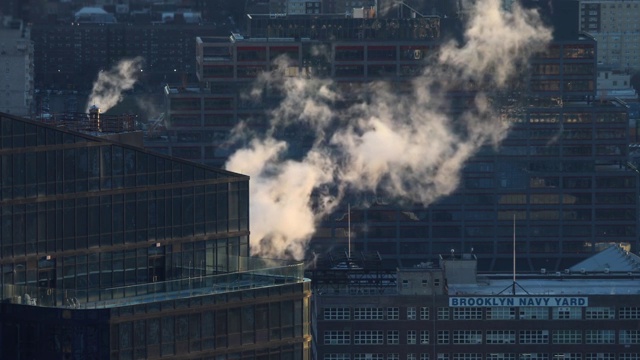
(403, 144)
(107, 89)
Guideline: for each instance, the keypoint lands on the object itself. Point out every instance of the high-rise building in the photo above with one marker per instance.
(562, 173)
(614, 25)
(16, 61)
(109, 251)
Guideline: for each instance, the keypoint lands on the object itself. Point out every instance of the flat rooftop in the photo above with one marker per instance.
(552, 284)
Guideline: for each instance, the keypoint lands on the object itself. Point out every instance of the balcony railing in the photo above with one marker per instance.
(255, 273)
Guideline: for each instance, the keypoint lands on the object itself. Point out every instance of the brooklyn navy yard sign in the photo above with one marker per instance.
(488, 301)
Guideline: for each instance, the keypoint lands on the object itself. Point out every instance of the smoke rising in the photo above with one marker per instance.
(401, 142)
(107, 89)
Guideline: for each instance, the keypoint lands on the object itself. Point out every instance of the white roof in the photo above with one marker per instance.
(90, 10)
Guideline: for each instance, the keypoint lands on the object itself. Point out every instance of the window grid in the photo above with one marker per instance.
(629, 356)
(411, 356)
(536, 356)
(534, 313)
(503, 356)
(424, 356)
(368, 313)
(337, 337)
(368, 356)
(443, 313)
(393, 356)
(567, 313)
(337, 356)
(600, 312)
(443, 336)
(567, 337)
(340, 313)
(411, 313)
(411, 337)
(467, 356)
(534, 337)
(424, 313)
(467, 337)
(599, 356)
(501, 337)
(600, 337)
(424, 337)
(629, 313)
(467, 314)
(393, 337)
(368, 337)
(501, 313)
(393, 313)
(629, 337)
(568, 356)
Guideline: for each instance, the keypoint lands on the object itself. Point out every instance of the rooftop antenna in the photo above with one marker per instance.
(349, 228)
(515, 283)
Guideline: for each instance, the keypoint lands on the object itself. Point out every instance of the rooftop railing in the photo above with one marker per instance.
(253, 274)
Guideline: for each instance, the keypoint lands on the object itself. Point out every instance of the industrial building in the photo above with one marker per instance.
(449, 310)
(110, 251)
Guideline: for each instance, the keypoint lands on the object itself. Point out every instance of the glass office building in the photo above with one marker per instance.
(111, 251)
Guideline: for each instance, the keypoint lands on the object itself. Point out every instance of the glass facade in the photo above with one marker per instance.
(89, 223)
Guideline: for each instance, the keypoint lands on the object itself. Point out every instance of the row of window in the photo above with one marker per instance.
(478, 313)
(472, 337)
(488, 356)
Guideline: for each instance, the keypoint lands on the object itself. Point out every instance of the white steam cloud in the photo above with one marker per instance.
(107, 89)
(400, 142)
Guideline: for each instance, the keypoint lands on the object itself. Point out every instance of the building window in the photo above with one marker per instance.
(368, 313)
(424, 313)
(537, 356)
(567, 313)
(505, 356)
(368, 337)
(596, 313)
(424, 337)
(340, 313)
(411, 356)
(534, 336)
(567, 356)
(467, 356)
(393, 313)
(501, 313)
(393, 357)
(405, 284)
(443, 336)
(629, 337)
(534, 313)
(411, 313)
(629, 356)
(368, 356)
(501, 337)
(411, 337)
(425, 283)
(629, 313)
(337, 337)
(467, 337)
(339, 356)
(443, 313)
(600, 356)
(567, 337)
(467, 314)
(600, 337)
(424, 356)
(393, 337)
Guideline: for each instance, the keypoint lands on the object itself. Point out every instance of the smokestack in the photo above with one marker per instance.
(94, 118)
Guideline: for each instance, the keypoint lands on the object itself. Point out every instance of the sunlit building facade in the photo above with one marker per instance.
(109, 251)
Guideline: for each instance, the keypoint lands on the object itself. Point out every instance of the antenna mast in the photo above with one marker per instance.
(514, 254)
(349, 228)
